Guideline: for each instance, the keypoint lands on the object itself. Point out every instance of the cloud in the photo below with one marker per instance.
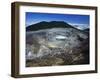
(80, 26)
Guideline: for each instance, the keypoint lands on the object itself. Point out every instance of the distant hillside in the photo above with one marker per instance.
(48, 25)
(86, 30)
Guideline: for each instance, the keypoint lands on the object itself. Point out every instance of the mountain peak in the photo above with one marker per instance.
(47, 25)
(58, 22)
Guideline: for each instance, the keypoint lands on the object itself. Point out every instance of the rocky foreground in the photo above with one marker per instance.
(57, 46)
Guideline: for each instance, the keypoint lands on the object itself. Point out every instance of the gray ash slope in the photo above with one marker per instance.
(56, 43)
